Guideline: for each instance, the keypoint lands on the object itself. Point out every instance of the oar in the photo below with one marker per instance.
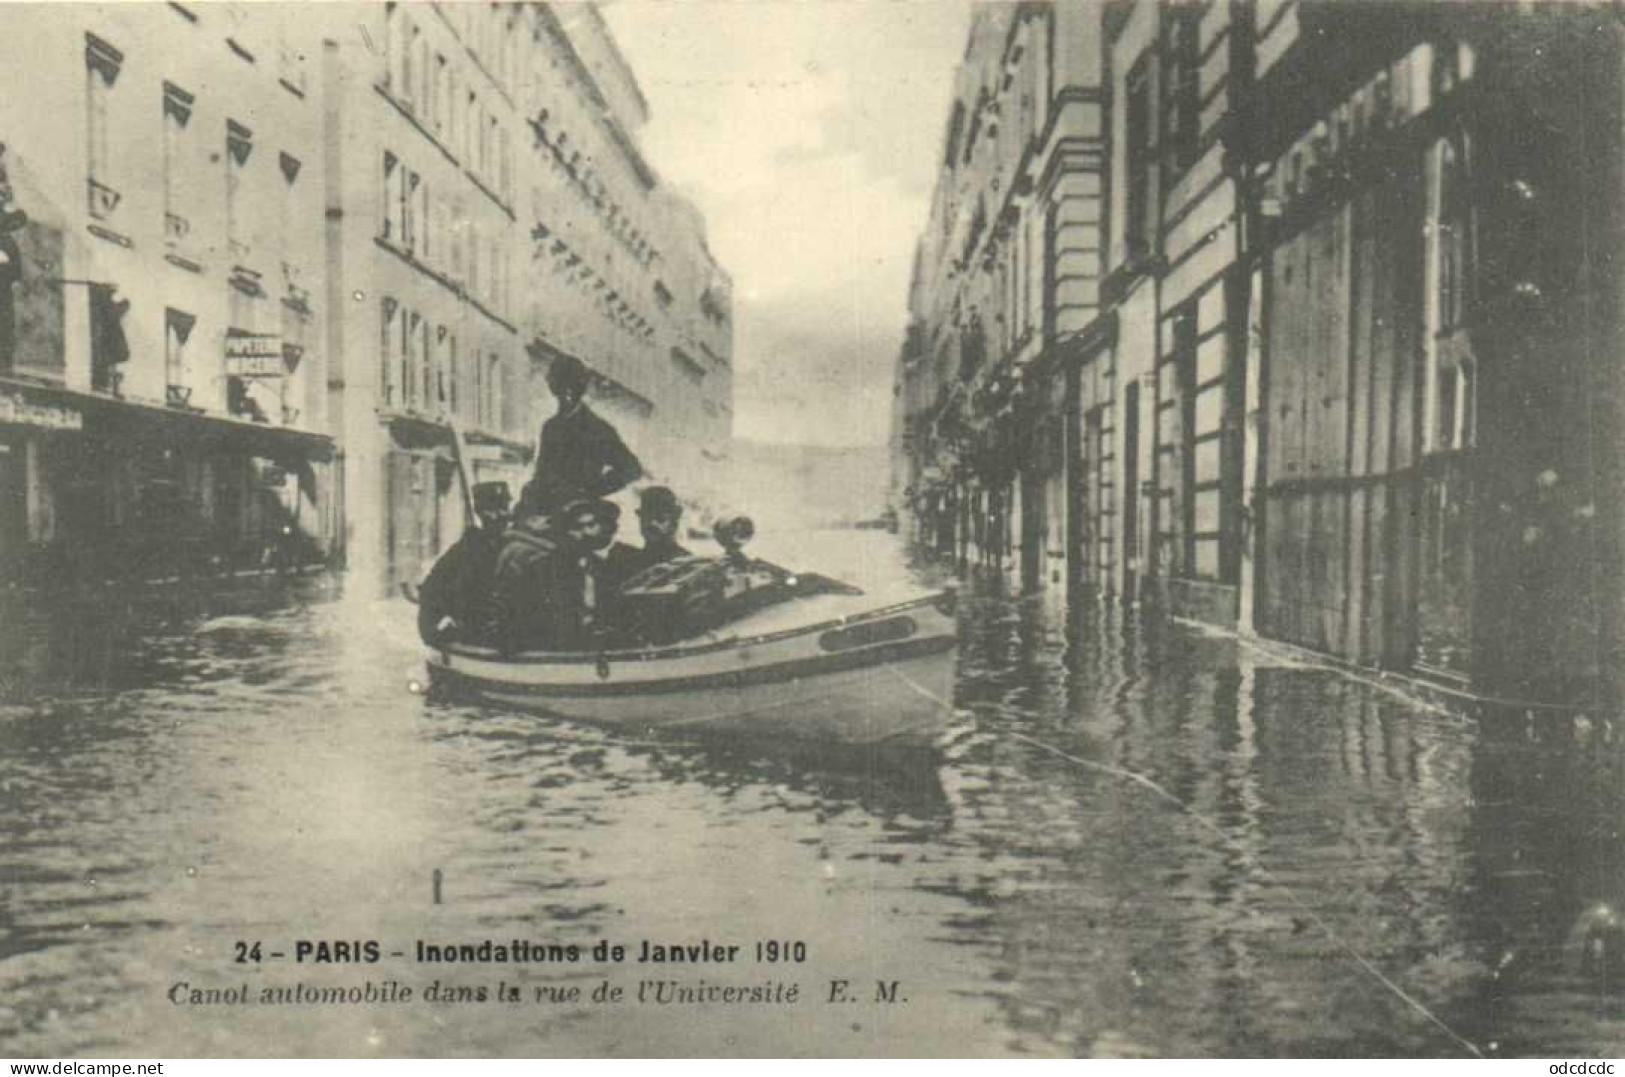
(459, 449)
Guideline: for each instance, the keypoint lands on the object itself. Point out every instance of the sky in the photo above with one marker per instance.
(808, 133)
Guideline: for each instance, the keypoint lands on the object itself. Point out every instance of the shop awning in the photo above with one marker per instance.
(30, 403)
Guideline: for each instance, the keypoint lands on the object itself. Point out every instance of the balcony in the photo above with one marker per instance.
(178, 238)
(245, 280)
(296, 296)
(103, 200)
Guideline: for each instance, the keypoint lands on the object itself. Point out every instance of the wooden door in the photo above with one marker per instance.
(1339, 482)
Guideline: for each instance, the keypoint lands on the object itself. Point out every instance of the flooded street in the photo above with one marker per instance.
(1143, 841)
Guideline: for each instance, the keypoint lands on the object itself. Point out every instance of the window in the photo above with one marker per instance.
(287, 213)
(1455, 226)
(410, 38)
(239, 148)
(505, 163)
(439, 396)
(1182, 93)
(290, 64)
(434, 242)
(495, 282)
(295, 343)
(438, 102)
(424, 376)
(395, 43)
(510, 52)
(102, 66)
(453, 375)
(1032, 278)
(493, 375)
(411, 357)
(1450, 355)
(177, 115)
(415, 211)
(109, 348)
(423, 64)
(452, 128)
(456, 224)
(490, 149)
(177, 331)
(1139, 224)
(1201, 377)
(389, 226)
(387, 351)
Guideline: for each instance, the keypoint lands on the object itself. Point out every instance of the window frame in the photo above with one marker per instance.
(1180, 132)
(1140, 158)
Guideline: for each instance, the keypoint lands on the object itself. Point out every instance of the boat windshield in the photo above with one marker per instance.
(689, 596)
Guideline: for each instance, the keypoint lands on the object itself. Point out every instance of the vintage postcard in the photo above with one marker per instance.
(1084, 528)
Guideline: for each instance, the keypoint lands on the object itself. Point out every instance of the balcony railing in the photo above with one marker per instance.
(176, 229)
(103, 201)
(296, 295)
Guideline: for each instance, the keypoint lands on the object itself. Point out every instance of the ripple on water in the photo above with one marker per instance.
(1139, 839)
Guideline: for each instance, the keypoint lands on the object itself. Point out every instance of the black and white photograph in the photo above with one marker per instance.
(812, 529)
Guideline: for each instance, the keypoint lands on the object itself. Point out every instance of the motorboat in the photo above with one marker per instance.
(739, 646)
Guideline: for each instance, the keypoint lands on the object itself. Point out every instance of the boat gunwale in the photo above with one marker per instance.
(646, 654)
(735, 679)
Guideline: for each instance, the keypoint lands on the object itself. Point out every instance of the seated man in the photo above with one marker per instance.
(659, 516)
(543, 595)
(454, 601)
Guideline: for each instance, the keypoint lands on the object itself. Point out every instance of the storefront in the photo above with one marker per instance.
(95, 488)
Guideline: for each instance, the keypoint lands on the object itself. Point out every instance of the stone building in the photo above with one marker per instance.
(619, 270)
(1346, 374)
(424, 143)
(490, 210)
(1432, 440)
(1006, 275)
(162, 352)
(260, 263)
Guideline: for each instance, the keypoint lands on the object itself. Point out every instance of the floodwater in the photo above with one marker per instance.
(1140, 841)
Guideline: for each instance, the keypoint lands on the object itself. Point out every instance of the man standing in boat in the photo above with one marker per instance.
(579, 455)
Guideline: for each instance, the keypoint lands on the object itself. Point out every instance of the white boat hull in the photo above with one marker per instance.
(871, 678)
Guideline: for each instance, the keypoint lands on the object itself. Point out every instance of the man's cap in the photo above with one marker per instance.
(569, 372)
(492, 497)
(658, 501)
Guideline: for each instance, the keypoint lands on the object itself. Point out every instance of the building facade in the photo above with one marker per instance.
(422, 143)
(619, 270)
(266, 269)
(162, 365)
(1007, 275)
(1347, 379)
(490, 210)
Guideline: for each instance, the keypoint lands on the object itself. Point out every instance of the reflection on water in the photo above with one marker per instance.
(1138, 840)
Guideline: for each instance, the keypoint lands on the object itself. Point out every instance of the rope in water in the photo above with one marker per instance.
(1236, 847)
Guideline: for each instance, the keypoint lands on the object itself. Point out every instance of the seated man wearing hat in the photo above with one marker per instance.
(659, 516)
(454, 602)
(544, 594)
